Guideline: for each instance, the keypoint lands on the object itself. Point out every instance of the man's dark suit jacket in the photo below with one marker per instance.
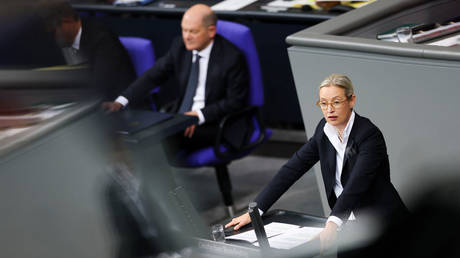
(365, 175)
(111, 68)
(227, 81)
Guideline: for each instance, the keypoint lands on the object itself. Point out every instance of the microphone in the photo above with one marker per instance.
(258, 225)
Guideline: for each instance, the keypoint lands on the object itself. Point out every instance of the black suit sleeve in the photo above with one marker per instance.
(111, 66)
(158, 74)
(289, 173)
(371, 153)
(236, 85)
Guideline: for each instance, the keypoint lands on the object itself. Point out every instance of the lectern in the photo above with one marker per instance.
(409, 91)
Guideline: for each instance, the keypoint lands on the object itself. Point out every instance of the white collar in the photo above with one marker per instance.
(76, 41)
(205, 52)
(331, 131)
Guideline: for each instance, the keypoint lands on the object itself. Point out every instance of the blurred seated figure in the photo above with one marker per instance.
(208, 73)
(91, 43)
(24, 42)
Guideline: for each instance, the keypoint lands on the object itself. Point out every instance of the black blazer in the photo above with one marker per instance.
(365, 175)
(227, 81)
(111, 67)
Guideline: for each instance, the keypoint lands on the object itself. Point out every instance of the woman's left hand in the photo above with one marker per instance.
(328, 236)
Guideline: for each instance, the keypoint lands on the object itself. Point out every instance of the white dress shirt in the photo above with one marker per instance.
(340, 146)
(76, 41)
(199, 98)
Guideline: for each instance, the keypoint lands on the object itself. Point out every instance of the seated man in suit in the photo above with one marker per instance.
(209, 72)
(88, 42)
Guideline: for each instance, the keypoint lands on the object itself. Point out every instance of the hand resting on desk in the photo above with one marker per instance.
(327, 236)
(239, 222)
(110, 107)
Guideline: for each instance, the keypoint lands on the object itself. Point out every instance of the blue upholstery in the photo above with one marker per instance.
(241, 36)
(142, 55)
(141, 52)
(207, 156)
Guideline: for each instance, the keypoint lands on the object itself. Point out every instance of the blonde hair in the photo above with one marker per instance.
(341, 81)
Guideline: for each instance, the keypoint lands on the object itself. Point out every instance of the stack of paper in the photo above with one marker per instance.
(231, 5)
(290, 3)
(281, 235)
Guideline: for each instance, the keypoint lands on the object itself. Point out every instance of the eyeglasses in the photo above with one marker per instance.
(324, 104)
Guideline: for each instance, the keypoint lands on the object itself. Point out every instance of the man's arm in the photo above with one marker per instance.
(298, 165)
(158, 74)
(112, 68)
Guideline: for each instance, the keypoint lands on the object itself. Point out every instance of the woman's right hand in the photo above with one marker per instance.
(240, 221)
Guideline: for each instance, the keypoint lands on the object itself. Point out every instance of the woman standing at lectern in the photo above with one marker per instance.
(354, 164)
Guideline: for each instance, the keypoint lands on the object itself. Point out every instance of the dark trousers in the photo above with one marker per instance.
(203, 136)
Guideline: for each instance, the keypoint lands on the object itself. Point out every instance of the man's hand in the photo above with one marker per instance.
(110, 107)
(328, 236)
(240, 221)
(191, 129)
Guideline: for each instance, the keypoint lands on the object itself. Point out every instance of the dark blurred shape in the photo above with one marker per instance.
(141, 233)
(24, 41)
(306, 8)
(431, 230)
(137, 234)
(340, 8)
(97, 47)
(25, 90)
(326, 5)
(92, 1)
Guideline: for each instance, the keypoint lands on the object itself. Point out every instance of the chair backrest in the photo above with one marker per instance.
(141, 52)
(241, 36)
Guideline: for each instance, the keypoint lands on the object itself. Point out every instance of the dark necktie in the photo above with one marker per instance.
(191, 86)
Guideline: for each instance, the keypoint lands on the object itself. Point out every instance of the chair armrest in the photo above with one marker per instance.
(151, 98)
(251, 112)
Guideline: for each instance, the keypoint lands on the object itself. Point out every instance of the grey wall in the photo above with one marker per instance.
(414, 101)
(51, 195)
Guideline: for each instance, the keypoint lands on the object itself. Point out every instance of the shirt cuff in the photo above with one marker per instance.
(200, 117)
(335, 220)
(122, 100)
(261, 212)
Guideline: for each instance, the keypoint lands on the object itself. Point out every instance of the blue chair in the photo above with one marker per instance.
(219, 156)
(142, 55)
(141, 52)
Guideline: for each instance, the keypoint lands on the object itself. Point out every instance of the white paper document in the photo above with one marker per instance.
(231, 5)
(281, 235)
(293, 237)
(447, 42)
(291, 3)
(272, 229)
